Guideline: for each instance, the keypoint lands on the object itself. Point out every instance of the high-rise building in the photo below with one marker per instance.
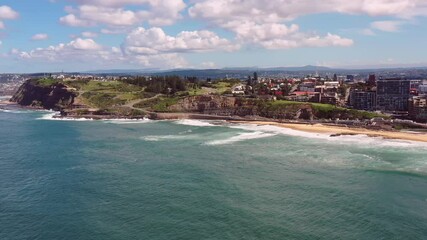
(256, 76)
(372, 80)
(393, 94)
(363, 100)
(350, 78)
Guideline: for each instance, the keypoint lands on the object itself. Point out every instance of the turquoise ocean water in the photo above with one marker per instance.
(196, 180)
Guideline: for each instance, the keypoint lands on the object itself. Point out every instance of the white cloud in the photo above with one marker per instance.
(7, 13)
(113, 13)
(84, 44)
(154, 41)
(221, 11)
(305, 40)
(73, 21)
(85, 51)
(387, 26)
(40, 37)
(261, 23)
(76, 49)
(89, 34)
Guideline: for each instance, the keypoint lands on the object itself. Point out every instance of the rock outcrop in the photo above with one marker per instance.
(33, 94)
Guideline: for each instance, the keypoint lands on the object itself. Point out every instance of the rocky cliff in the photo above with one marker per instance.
(242, 107)
(33, 94)
(249, 107)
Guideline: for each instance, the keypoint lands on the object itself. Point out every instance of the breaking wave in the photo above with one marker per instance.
(13, 111)
(128, 121)
(361, 140)
(241, 137)
(197, 123)
(53, 116)
(158, 138)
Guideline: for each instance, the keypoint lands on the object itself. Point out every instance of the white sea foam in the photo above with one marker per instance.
(158, 138)
(128, 121)
(196, 123)
(241, 137)
(360, 140)
(54, 116)
(13, 111)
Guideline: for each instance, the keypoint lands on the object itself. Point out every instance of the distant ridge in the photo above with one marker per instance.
(244, 70)
(156, 70)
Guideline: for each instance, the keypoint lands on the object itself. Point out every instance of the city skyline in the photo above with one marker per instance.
(81, 35)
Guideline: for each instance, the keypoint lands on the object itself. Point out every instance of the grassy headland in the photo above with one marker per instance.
(130, 97)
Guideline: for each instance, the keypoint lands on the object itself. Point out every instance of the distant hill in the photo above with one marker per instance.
(301, 69)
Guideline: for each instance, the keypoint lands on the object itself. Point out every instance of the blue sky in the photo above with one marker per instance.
(77, 35)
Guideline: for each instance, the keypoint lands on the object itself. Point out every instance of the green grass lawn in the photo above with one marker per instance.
(45, 82)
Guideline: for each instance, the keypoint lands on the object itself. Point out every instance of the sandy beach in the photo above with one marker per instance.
(336, 130)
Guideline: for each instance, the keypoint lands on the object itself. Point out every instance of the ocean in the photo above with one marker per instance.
(189, 179)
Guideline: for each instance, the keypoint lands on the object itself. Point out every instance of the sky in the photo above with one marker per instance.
(82, 35)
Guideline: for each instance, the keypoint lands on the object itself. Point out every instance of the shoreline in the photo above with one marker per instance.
(329, 129)
(336, 131)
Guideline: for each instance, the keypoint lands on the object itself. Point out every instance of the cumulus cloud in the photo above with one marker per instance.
(113, 13)
(76, 49)
(40, 37)
(73, 21)
(154, 41)
(282, 10)
(263, 23)
(88, 51)
(7, 13)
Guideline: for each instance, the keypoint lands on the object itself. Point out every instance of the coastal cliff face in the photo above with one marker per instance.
(250, 107)
(233, 106)
(34, 94)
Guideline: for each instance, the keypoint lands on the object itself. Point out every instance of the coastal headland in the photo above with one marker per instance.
(173, 99)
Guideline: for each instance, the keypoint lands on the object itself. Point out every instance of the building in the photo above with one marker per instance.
(422, 88)
(393, 94)
(418, 108)
(350, 78)
(363, 100)
(239, 90)
(372, 80)
(328, 98)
